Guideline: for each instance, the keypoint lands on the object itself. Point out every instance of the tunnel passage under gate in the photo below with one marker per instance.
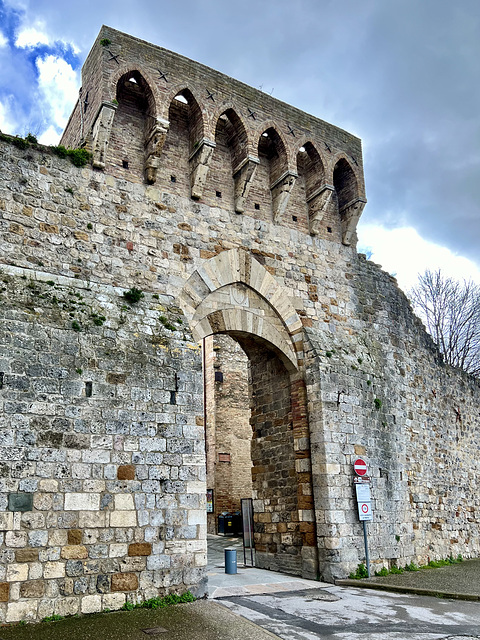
(220, 299)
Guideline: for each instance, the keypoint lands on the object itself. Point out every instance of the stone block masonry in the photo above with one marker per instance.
(225, 231)
(108, 470)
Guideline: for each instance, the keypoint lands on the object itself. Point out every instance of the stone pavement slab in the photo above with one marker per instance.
(200, 620)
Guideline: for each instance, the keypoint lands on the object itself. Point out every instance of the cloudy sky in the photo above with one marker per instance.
(403, 75)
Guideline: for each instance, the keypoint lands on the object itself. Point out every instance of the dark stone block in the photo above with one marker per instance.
(20, 501)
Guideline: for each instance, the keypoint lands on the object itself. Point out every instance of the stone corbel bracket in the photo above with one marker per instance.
(199, 162)
(101, 130)
(153, 148)
(318, 204)
(350, 215)
(281, 190)
(243, 176)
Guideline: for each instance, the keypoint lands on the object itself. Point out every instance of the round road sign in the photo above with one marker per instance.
(360, 467)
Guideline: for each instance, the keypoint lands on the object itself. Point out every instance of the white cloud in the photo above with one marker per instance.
(50, 136)
(7, 124)
(58, 85)
(31, 37)
(405, 254)
(3, 40)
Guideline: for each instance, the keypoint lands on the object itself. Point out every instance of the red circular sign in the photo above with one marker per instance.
(364, 508)
(360, 467)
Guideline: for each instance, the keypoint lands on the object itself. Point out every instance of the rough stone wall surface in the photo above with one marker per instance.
(230, 467)
(102, 489)
(106, 422)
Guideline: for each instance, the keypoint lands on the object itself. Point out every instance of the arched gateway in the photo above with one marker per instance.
(234, 294)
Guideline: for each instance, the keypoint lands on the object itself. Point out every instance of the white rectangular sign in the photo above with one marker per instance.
(363, 492)
(365, 511)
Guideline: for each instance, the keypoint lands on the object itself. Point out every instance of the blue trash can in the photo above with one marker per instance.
(231, 561)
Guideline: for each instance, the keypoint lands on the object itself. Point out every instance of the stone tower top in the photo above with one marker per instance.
(150, 115)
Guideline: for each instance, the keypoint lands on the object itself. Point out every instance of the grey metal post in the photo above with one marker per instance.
(365, 540)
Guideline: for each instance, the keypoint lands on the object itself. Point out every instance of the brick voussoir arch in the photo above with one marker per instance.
(175, 91)
(125, 69)
(330, 168)
(271, 124)
(219, 111)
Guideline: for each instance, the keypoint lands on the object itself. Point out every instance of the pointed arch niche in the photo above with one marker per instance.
(273, 181)
(308, 185)
(184, 145)
(349, 203)
(132, 127)
(231, 166)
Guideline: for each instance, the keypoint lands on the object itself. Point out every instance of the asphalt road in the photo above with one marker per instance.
(347, 613)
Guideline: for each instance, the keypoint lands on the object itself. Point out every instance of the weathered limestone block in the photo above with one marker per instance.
(101, 133)
(199, 162)
(281, 190)
(243, 176)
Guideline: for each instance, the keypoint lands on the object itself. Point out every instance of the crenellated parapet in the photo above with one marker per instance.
(152, 116)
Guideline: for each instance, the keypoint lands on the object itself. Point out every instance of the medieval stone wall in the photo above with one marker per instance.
(103, 470)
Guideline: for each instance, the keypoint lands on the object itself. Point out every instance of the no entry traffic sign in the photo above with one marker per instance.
(365, 511)
(360, 467)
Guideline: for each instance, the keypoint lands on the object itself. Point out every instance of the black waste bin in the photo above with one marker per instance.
(225, 524)
(237, 523)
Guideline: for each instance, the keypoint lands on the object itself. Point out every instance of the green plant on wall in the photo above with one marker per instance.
(133, 295)
(378, 404)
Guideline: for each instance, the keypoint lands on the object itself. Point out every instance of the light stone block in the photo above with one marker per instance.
(82, 501)
(91, 519)
(124, 502)
(53, 570)
(123, 519)
(91, 604)
(197, 516)
(118, 550)
(114, 601)
(17, 572)
(17, 611)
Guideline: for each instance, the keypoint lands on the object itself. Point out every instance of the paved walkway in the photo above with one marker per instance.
(248, 580)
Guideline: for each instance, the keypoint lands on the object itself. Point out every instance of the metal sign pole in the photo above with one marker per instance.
(365, 540)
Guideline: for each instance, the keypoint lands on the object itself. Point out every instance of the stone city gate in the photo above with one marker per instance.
(210, 209)
(234, 294)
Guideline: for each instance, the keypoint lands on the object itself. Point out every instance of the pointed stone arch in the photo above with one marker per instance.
(269, 310)
(349, 194)
(233, 149)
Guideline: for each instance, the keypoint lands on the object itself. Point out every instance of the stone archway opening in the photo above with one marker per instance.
(252, 416)
(233, 295)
